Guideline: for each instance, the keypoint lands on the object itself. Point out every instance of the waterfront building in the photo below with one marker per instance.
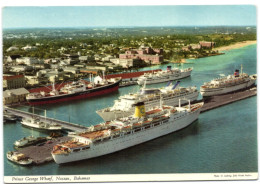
(13, 81)
(35, 80)
(208, 45)
(125, 63)
(14, 96)
(147, 54)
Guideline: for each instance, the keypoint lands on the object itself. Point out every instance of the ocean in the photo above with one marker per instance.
(221, 140)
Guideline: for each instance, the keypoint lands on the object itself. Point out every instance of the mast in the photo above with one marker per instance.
(160, 101)
(45, 113)
(144, 84)
(103, 74)
(53, 87)
(241, 69)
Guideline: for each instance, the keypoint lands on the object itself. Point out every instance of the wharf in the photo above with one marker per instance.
(42, 154)
(64, 124)
(221, 100)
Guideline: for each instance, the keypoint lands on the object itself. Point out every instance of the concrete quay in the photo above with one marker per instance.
(221, 100)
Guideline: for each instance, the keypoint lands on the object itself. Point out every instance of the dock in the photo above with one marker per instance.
(65, 125)
(42, 154)
(221, 100)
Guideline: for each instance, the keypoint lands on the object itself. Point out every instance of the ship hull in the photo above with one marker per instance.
(219, 91)
(67, 97)
(125, 141)
(164, 79)
(112, 115)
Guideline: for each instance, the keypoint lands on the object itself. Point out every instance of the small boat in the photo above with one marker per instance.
(9, 117)
(18, 158)
(37, 123)
(30, 140)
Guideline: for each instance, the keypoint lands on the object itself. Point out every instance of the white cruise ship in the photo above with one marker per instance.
(228, 84)
(164, 76)
(123, 107)
(120, 134)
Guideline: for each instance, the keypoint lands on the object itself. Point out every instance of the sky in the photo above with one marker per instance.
(114, 16)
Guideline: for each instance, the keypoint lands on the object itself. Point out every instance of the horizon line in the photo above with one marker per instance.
(129, 26)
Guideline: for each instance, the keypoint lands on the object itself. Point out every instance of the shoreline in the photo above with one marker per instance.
(235, 45)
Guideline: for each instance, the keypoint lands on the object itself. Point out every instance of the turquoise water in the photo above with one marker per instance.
(222, 140)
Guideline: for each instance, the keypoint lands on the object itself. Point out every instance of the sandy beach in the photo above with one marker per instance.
(236, 45)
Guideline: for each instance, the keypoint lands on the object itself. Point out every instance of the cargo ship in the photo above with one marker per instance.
(228, 84)
(164, 76)
(122, 133)
(170, 94)
(75, 90)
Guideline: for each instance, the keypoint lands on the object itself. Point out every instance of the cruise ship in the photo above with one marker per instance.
(164, 76)
(75, 90)
(123, 133)
(228, 84)
(170, 94)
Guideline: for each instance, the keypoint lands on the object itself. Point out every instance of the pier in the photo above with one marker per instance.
(221, 100)
(42, 153)
(65, 125)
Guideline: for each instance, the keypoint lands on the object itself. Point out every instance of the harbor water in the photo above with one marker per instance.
(221, 140)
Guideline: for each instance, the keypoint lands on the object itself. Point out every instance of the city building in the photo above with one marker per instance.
(13, 81)
(205, 44)
(12, 58)
(125, 63)
(13, 48)
(34, 80)
(29, 48)
(28, 61)
(147, 54)
(14, 96)
(20, 68)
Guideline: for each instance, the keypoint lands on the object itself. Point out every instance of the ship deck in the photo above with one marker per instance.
(94, 135)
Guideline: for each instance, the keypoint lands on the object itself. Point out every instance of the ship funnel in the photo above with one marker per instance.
(139, 110)
(177, 83)
(236, 74)
(169, 83)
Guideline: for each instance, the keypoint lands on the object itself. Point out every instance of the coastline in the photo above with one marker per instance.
(236, 45)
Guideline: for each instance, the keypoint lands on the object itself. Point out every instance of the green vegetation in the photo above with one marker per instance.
(50, 42)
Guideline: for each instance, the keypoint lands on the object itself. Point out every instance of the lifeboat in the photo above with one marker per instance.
(137, 124)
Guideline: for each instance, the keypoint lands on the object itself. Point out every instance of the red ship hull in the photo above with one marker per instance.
(87, 94)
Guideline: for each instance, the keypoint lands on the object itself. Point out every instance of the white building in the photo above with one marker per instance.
(29, 48)
(13, 48)
(28, 61)
(123, 62)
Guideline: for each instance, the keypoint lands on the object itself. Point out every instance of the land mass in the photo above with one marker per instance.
(236, 45)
